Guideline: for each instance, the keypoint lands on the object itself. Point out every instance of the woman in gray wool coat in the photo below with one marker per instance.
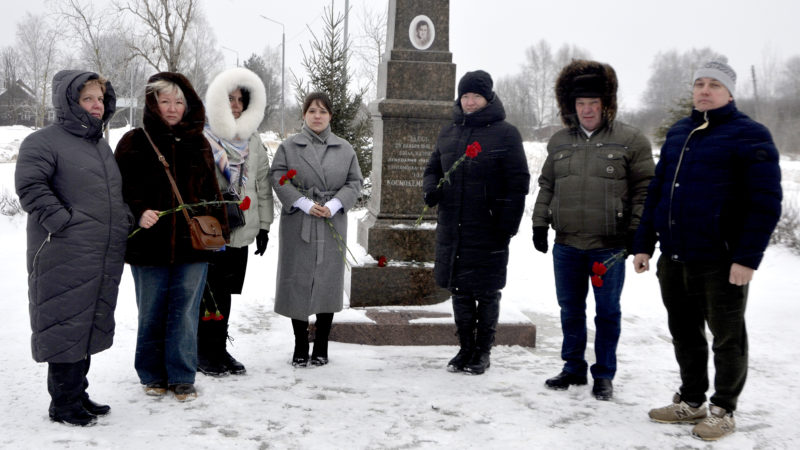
(70, 186)
(325, 184)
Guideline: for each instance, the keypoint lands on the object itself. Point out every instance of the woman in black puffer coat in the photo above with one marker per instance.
(479, 211)
(69, 184)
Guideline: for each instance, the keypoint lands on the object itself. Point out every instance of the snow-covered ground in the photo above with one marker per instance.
(402, 397)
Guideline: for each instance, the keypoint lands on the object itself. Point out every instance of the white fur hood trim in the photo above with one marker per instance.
(218, 107)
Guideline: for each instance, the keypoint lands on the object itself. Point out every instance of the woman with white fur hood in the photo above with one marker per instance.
(235, 103)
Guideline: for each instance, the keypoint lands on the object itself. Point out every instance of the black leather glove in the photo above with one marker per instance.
(261, 241)
(432, 198)
(540, 238)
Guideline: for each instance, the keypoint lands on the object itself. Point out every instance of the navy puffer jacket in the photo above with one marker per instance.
(480, 209)
(716, 194)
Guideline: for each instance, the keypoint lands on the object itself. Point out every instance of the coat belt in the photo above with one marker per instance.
(319, 197)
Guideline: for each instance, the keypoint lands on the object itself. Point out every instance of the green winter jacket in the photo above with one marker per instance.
(592, 189)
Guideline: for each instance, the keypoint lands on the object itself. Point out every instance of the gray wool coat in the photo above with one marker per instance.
(311, 265)
(69, 184)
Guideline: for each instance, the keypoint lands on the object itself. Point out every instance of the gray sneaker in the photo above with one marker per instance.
(678, 412)
(718, 425)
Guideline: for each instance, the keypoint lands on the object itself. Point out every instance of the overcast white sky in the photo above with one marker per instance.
(493, 35)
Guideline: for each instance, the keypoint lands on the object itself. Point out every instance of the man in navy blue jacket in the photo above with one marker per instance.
(713, 203)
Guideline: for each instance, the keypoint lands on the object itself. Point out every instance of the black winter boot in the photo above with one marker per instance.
(464, 315)
(488, 313)
(300, 356)
(210, 348)
(319, 357)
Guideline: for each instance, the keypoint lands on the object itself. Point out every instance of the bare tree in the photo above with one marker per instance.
(540, 71)
(370, 45)
(36, 41)
(87, 25)
(513, 91)
(160, 30)
(201, 57)
(11, 61)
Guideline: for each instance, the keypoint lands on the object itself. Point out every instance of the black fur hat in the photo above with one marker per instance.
(582, 78)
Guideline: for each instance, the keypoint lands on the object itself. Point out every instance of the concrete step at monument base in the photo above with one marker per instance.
(386, 326)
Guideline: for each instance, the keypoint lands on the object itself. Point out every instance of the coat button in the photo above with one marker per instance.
(610, 156)
(609, 169)
(674, 257)
(677, 185)
(619, 214)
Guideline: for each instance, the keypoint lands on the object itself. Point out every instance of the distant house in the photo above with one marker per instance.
(18, 105)
(127, 109)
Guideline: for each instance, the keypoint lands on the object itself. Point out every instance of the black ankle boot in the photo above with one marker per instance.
(300, 356)
(233, 366)
(322, 330)
(94, 408)
(478, 364)
(75, 415)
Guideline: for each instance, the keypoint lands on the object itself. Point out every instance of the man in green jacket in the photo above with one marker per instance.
(591, 191)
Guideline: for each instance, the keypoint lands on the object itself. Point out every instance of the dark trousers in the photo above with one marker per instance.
(67, 383)
(572, 268)
(322, 330)
(476, 312)
(699, 293)
(225, 277)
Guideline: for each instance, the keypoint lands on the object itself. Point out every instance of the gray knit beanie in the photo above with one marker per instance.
(719, 71)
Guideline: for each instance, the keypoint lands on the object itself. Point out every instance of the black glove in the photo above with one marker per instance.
(261, 241)
(540, 238)
(432, 198)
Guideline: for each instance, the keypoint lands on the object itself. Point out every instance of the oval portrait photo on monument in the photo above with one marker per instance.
(421, 32)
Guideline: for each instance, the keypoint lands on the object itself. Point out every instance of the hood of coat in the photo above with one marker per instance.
(194, 118)
(565, 86)
(494, 111)
(218, 109)
(67, 86)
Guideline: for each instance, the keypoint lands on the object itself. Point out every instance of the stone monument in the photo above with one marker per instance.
(416, 84)
(416, 88)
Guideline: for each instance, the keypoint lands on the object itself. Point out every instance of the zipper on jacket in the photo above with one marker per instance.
(703, 126)
(36, 256)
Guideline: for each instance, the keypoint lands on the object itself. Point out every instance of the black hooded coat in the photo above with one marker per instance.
(482, 205)
(70, 186)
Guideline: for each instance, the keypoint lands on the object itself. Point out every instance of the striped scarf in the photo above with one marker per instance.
(230, 158)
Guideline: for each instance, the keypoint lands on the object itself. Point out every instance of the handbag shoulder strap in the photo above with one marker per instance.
(169, 174)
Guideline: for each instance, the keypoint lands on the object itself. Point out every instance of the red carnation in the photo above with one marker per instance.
(217, 317)
(282, 180)
(206, 317)
(599, 268)
(473, 149)
(597, 281)
(382, 261)
(291, 173)
(244, 205)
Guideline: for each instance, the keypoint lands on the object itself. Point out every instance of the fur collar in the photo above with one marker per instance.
(218, 108)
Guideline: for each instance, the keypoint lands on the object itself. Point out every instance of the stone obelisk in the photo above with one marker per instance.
(416, 82)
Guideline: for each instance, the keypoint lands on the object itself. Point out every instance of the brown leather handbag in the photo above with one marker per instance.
(206, 231)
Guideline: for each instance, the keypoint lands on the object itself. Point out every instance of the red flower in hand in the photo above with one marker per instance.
(597, 281)
(244, 205)
(473, 149)
(382, 261)
(291, 173)
(599, 268)
(282, 180)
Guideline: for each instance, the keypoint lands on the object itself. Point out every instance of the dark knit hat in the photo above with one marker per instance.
(590, 85)
(478, 82)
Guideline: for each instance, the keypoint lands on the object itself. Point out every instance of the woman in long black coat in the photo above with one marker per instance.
(69, 185)
(479, 211)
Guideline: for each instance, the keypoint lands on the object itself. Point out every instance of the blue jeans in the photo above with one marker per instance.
(168, 298)
(573, 270)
